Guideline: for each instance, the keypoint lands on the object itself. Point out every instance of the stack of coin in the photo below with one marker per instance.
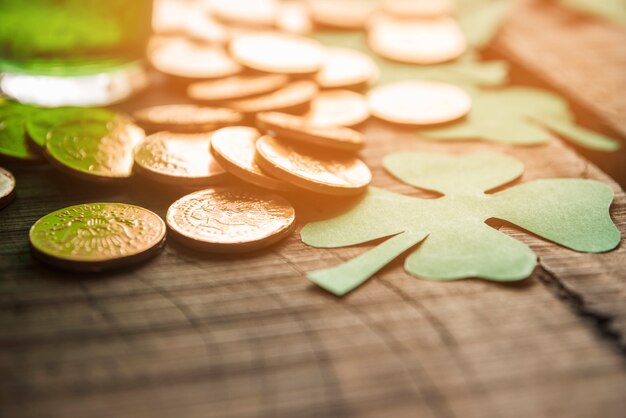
(298, 157)
(261, 61)
(273, 108)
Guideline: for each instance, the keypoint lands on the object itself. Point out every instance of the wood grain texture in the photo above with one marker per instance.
(196, 335)
(580, 55)
(200, 335)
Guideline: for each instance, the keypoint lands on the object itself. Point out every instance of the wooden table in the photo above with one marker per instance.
(196, 335)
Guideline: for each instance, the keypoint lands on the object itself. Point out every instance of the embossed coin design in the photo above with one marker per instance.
(94, 150)
(97, 236)
(180, 159)
(293, 97)
(7, 187)
(236, 87)
(234, 148)
(186, 118)
(419, 102)
(338, 108)
(313, 169)
(276, 52)
(185, 59)
(417, 41)
(344, 67)
(297, 128)
(230, 220)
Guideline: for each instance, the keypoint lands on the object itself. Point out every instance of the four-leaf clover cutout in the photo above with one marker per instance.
(454, 240)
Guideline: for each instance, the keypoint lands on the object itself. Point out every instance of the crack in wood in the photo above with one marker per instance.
(602, 323)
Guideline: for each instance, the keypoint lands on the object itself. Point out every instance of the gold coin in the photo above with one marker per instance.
(7, 187)
(97, 236)
(417, 8)
(343, 14)
(185, 59)
(169, 16)
(204, 28)
(236, 87)
(181, 159)
(294, 96)
(337, 108)
(186, 118)
(313, 169)
(419, 102)
(246, 12)
(416, 41)
(230, 220)
(94, 150)
(294, 18)
(187, 18)
(235, 148)
(276, 52)
(346, 68)
(297, 128)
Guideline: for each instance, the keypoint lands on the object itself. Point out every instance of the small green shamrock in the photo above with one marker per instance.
(481, 19)
(454, 240)
(613, 10)
(519, 116)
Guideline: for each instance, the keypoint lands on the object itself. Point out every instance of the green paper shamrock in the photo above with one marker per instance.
(481, 19)
(613, 10)
(464, 71)
(519, 116)
(455, 241)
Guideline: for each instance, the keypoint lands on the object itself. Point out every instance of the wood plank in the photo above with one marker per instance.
(232, 336)
(580, 55)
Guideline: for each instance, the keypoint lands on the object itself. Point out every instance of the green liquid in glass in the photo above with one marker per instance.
(72, 37)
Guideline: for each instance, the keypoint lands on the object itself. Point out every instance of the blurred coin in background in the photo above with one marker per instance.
(235, 87)
(419, 102)
(277, 52)
(416, 41)
(186, 118)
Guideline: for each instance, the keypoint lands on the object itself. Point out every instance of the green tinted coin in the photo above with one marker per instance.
(94, 150)
(97, 236)
(7, 187)
(42, 121)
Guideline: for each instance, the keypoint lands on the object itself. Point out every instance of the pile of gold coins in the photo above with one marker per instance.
(273, 108)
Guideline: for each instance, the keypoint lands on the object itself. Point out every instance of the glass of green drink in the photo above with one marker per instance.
(73, 52)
